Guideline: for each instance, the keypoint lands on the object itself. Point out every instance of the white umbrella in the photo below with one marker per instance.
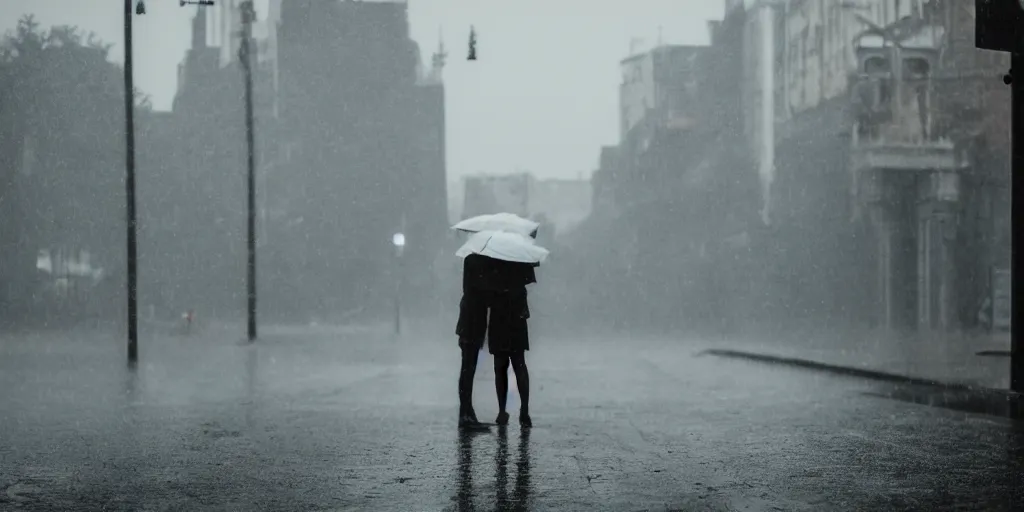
(498, 222)
(505, 246)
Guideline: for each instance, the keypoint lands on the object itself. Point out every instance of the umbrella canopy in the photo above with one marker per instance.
(504, 246)
(509, 222)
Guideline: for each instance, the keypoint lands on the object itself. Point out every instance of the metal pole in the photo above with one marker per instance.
(129, 121)
(1017, 216)
(248, 15)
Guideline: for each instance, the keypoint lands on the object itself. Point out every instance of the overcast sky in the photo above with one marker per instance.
(543, 97)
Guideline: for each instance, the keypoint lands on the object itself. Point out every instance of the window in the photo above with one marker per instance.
(875, 66)
(916, 68)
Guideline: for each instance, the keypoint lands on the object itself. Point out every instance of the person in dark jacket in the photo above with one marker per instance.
(494, 308)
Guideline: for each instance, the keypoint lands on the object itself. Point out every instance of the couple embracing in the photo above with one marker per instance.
(499, 262)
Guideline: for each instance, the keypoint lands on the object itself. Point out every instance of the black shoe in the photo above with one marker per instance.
(524, 420)
(468, 419)
(502, 419)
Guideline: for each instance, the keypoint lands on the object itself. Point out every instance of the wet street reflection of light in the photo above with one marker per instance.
(987, 402)
(464, 473)
(521, 493)
(370, 420)
(468, 492)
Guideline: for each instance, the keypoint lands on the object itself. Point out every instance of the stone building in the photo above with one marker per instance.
(888, 200)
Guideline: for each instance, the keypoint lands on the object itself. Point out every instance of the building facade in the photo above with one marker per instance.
(487, 194)
(881, 109)
(560, 204)
(674, 194)
(361, 131)
(350, 149)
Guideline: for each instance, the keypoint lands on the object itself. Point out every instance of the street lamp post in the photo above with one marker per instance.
(129, 182)
(398, 240)
(129, 122)
(245, 54)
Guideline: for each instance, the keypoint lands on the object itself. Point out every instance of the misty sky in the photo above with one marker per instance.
(543, 97)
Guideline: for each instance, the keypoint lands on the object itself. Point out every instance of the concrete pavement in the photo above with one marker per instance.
(345, 420)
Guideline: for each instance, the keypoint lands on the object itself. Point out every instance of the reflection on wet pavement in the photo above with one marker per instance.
(329, 424)
(468, 497)
(991, 403)
(464, 479)
(521, 493)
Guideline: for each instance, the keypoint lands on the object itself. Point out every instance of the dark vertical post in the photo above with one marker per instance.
(999, 26)
(1017, 216)
(129, 121)
(248, 16)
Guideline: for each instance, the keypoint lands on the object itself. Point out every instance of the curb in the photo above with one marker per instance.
(996, 353)
(856, 372)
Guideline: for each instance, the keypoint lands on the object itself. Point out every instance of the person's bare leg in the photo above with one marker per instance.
(501, 363)
(469, 358)
(518, 360)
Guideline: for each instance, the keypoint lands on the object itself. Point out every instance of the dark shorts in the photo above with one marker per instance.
(500, 318)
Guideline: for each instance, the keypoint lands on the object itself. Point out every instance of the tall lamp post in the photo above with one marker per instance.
(129, 181)
(129, 123)
(398, 240)
(245, 54)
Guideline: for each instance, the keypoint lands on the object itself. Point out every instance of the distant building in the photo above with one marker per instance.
(492, 194)
(223, 31)
(202, 180)
(361, 130)
(655, 83)
(604, 181)
(350, 149)
(564, 203)
(224, 28)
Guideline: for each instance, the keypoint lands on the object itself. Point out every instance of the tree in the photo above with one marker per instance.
(61, 150)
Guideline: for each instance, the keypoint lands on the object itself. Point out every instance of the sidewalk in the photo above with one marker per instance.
(947, 359)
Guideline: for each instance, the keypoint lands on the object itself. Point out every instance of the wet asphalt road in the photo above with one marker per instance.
(331, 420)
